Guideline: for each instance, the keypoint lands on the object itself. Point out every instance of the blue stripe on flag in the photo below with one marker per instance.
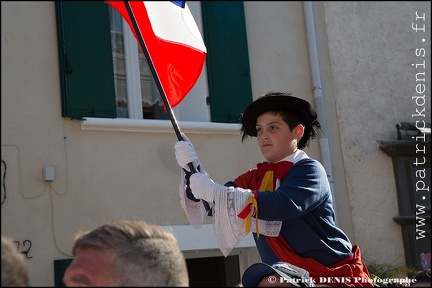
(179, 3)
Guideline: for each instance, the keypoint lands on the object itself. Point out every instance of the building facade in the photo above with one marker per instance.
(364, 65)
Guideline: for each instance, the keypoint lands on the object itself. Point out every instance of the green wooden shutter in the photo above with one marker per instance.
(60, 267)
(227, 61)
(85, 59)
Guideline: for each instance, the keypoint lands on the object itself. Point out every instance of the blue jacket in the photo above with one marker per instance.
(303, 203)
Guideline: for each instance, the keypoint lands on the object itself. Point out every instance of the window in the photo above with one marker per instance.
(104, 72)
(137, 96)
(214, 271)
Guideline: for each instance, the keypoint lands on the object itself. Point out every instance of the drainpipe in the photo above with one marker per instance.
(318, 97)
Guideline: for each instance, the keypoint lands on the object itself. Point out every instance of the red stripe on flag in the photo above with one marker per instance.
(177, 65)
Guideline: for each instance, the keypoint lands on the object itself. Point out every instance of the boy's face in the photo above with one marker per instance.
(275, 138)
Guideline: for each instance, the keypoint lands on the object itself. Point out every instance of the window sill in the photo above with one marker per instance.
(158, 126)
(203, 238)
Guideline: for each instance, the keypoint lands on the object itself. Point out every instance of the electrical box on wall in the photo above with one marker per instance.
(48, 173)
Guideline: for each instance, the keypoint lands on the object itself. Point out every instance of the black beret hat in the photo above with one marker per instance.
(273, 102)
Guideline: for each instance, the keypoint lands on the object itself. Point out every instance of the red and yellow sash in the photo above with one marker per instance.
(271, 172)
(351, 270)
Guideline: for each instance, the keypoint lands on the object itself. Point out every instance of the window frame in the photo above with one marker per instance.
(195, 107)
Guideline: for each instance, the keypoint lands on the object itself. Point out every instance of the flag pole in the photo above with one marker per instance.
(161, 90)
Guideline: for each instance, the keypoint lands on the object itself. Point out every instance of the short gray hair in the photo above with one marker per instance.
(146, 254)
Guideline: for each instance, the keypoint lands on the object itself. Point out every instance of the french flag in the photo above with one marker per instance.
(173, 42)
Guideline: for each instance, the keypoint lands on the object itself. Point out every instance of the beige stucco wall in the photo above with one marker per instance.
(371, 48)
(365, 52)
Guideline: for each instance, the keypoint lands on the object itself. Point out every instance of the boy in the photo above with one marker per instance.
(286, 201)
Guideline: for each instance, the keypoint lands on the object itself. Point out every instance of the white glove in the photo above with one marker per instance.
(204, 188)
(185, 154)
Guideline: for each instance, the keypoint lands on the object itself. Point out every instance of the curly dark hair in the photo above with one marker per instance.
(292, 118)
